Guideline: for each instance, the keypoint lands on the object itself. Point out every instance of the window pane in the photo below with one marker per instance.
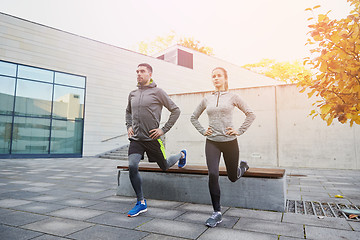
(32, 135)
(7, 94)
(7, 69)
(5, 134)
(35, 74)
(68, 102)
(33, 98)
(68, 79)
(66, 136)
(185, 59)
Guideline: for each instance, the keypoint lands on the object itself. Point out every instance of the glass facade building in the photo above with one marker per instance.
(41, 112)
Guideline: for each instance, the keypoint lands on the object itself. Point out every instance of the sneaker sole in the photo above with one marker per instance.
(181, 166)
(214, 225)
(182, 159)
(142, 211)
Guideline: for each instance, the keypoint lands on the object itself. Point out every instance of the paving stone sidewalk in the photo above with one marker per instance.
(75, 198)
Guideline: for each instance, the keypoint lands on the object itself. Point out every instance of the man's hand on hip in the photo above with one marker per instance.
(156, 133)
(130, 132)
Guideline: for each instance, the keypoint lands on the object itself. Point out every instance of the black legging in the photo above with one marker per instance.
(213, 152)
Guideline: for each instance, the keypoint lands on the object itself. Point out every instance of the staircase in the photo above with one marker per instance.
(118, 154)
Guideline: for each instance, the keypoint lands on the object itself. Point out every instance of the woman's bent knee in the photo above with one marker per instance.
(233, 178)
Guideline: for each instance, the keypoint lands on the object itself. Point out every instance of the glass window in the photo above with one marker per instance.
(45, 102)
(33, 98)
(32, 135)
(5, 134)
(7, 95)
(68, 102)
(35, 74)
(7, 69)
(66, 136)
(71, 80)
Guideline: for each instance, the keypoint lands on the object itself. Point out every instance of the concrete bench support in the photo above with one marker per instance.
(247, 192)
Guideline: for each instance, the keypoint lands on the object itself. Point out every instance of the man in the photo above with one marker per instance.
(143, 115)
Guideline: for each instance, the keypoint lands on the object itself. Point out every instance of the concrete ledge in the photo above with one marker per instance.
(247, 192)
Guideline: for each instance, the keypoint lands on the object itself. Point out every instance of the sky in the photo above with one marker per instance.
(239, 31)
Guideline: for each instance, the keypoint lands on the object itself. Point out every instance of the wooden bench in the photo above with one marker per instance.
(259, 188)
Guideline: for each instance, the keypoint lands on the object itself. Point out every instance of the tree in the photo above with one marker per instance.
(289, 72)
(336, 60)
(156, 45)
(195, 44)
(161, 43)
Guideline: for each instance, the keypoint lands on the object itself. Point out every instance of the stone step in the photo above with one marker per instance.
(113, 157)
(120, 154)
(116, 154)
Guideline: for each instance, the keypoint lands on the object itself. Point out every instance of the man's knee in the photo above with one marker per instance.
(164, 167)
(134, 160)
(133, 169)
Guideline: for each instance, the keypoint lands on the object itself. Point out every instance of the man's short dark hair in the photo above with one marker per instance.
(149, 68)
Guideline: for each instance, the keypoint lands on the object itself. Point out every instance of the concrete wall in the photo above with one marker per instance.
(283, 135)
(110, 73)
(308, 142)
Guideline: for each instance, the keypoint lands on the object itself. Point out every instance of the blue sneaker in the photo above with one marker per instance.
(182, 161)
(139, 208)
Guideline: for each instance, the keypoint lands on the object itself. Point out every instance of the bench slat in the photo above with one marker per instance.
(202, 170)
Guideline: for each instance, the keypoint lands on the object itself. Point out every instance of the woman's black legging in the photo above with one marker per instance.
(213, 152)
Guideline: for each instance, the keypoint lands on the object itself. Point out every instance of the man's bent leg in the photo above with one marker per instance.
(156, 153)
(135, 178)
(171, 161)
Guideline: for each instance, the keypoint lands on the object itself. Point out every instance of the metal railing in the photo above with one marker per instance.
(112, 138)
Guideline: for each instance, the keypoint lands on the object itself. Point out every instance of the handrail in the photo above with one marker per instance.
(108, 139)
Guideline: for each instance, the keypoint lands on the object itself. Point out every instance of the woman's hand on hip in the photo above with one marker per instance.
(208, 132)
(230, 131)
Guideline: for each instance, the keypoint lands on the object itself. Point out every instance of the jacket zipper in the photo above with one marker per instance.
(140, 100)
(217, 102)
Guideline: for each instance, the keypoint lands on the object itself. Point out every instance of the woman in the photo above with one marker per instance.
(221, 136)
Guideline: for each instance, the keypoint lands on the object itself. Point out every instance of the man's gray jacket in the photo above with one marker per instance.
(143, 112)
